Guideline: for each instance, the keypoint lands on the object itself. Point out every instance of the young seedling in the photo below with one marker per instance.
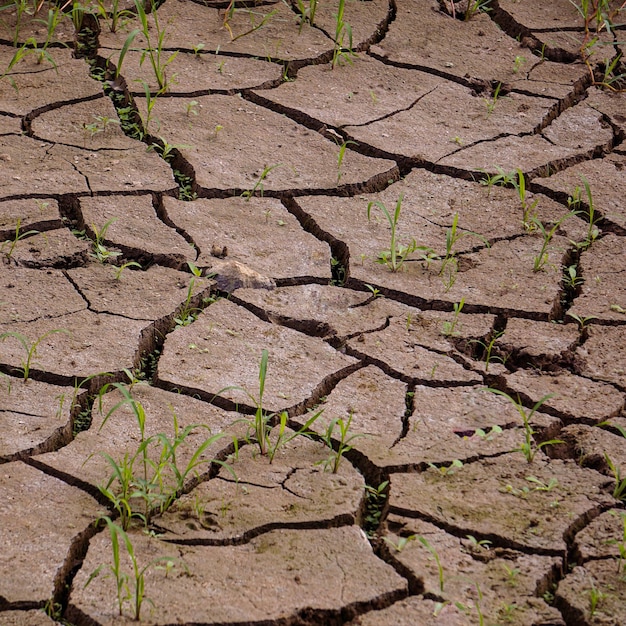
(8, 247)
(99, 251)
(477, 605)
(540, 260)
(517, 63)
(166, 150)
(501, 179)
(307, 13)
(374, 503)
(449, 328)
(574, 202)
(101, 123)
(258, 186)
(474, 7)
(341, 155)
(540, 485)
(255, 24)
(511, 573)
(343, 31)
(394, 257)
(118, 270)
(261, 425)
(488, 436)
(583, 322)
(620, 543)
(478, 543)
(191, 108)
(189, 314)
(447, 470)
(432, 550)
(595, 598)
(155, 52)
(128, 588)
(488, 349)
(529, 211)
(619, 491)
(449, 264)
(30, 348)
(345, 439)
(491, 102)
(401, 543)
(530, 447)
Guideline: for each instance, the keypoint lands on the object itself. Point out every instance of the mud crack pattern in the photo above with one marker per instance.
(164, 234)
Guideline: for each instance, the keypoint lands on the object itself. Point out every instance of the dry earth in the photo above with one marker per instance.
(249, 198)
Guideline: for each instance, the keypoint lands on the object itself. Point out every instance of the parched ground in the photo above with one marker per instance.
(405, 264)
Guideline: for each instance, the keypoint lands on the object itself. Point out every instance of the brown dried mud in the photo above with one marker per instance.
(156, 247)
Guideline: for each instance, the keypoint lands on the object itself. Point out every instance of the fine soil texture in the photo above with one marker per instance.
(313, 313)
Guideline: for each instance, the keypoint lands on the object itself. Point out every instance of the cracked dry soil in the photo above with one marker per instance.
(257, 166)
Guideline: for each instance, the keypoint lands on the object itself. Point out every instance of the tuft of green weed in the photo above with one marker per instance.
(529, 447)
(395, 256)
(129, 588)
(343, 444)
(343, 35)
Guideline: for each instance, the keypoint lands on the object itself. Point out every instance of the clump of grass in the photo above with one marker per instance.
(343, 445)
(529, 447)
(397, 253)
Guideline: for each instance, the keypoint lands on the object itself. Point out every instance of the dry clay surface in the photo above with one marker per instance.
(438, 434)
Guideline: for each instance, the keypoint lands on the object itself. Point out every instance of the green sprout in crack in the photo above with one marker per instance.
(99, 251)
(258, 185)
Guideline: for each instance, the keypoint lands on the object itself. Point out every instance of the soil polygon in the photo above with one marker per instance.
(402, 353)
(51, 249)
(357, 94)
(18, 285)
(462, 423)
(142, 295)
(35, 83)
(28, 419)
(328, 309)
(254, 495)
(223, 348)
(82, 344)
(571, 396)
(32, 215)
(259, 233)
(221, 144)
(605, 178)
(502, 584)
(602, 356)
(134, 224)
(237, 583)
(603, 294)
(34, 552)
(448, 117)
(597, 584)
(495, 500)
(579, 132)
